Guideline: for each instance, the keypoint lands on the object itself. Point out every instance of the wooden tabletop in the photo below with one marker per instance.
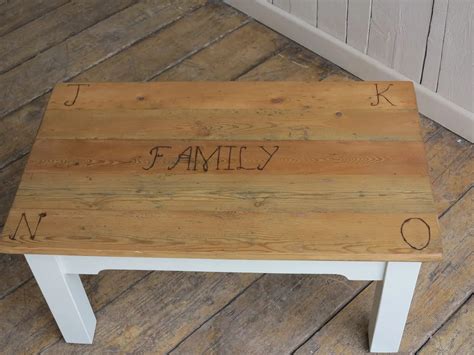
(236, 170)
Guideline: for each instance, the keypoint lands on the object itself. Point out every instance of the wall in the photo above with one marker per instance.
(427, 41)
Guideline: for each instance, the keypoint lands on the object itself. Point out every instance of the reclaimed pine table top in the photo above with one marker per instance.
(228, 170)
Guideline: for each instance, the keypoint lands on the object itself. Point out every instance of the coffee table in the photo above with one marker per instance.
(266, 177)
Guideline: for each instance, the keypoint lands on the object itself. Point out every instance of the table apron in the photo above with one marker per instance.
(352, 270)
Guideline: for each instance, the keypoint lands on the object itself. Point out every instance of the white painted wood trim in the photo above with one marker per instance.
(431, 104)
(65, 297)
(59, 281)
(353, 270)
(392, 302)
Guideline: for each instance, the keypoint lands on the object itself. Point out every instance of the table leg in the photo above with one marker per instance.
(66, 298)
(393, 297)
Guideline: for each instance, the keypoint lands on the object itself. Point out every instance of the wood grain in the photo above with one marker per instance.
(54, 27)
(455, 337)
(254, 43)
(21, 335)
(274, 315)
(441, 289)
(252, 174)
(455, 181)
(31, 327)
(270, 157)
(154, 54)
(154, 315)
(32, 331)
(16, 13)
(217, 124)
(35, 77)
(262, 95)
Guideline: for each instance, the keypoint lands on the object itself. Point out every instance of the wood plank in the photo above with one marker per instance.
(323, 123)
(31, 336)
(10, 177)
(27, 324)
(37, 76)
(434, 45)
(306, 66)
(228, 235)
(154, 54)
(274, 315)
(158, 312)
(358, 24)
(51, 29)
(295, 63)
(18, 129)
(16, 13)
(455, 337)
(456, 76)
(15, 272)
(111, 339)
(441, 150)
(285, 95)
(398, 35)
(139, 157)
(428, 128)
(307, 10)
(318, 194)
(455, 181)
(135, 157)
(332, 18)
(219, 62)
(441, 289)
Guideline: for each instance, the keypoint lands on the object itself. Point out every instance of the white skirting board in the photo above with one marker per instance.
(430, 104)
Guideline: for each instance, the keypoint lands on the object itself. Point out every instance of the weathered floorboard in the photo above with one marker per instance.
(441, 289)
(44, 332)
(56, 26)
(154, 315)
(456, 335)
(30, 328)
(273, 316)
(162, 50)
(254, 43)
(16, 13)
(35, 77)
(34, 330)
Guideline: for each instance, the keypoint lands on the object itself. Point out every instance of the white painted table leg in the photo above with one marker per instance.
(66, 298)
(393, 297)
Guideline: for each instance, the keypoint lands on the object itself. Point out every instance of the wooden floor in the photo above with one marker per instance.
(44, 42)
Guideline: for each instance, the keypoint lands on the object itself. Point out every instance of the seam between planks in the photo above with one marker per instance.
(196, 51)
(14, 160)
(427, 40)
(261, 61)
(14, 288)
(241, 292)
(444, 322)
(177, 62)
(163, 27)
(441, 215)
(34, 19)
(98, 310)
(65, 39)
(330, 317)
